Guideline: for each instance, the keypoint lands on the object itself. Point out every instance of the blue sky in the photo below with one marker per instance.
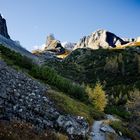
(30, 21)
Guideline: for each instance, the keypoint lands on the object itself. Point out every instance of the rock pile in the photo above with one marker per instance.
(70, 124)
(22, 98)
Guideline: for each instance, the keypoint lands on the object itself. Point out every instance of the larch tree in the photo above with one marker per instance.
(97, 96)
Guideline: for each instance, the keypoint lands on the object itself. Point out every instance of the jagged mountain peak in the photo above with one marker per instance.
(100, 39)
(53, 44)
(3, 27)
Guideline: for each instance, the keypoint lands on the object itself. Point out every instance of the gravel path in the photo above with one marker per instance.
(97, 133)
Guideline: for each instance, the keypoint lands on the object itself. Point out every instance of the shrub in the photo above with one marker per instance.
(50, 76)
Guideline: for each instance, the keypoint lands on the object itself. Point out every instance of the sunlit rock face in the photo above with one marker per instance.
(100, 39)
(137, 39)
(54, 45)
(3, 28)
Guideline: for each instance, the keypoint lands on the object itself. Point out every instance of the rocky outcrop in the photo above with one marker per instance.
(3, 28)
(70, 125)
(68, 46)
(22, 98)
(52, 49)
(54, 45)
(100, 39)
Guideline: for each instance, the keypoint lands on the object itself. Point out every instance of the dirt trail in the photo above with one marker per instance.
(97, 133)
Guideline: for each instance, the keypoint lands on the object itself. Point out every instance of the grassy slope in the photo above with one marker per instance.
(70, 106)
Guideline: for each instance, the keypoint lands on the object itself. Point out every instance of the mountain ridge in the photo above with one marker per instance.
(100, 39)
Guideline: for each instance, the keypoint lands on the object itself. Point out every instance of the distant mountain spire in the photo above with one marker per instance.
(0, 16)
(3, 27)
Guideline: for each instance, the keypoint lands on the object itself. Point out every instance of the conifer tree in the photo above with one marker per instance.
(97, 96)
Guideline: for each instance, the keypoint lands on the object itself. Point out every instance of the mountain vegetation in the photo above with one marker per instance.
(50, 76)
(118, 72)
(116, 69)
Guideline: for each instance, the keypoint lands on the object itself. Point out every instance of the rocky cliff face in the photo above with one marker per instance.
(52, 48)
(14, 45)
(54, 45)
(100, 39)
(3, 27)
(22, 98)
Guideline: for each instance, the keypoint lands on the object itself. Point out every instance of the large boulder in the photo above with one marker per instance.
(100, 39)
(3, 27)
